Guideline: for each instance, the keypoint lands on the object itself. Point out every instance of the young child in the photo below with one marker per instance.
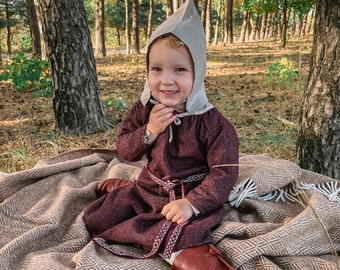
(179, 195)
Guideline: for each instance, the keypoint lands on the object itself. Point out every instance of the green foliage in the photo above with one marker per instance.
(118, 103)
(266, 6)
(282, 72)
(25, 43)
(27, 72)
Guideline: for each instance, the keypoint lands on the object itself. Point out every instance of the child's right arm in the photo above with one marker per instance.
(131, 144)
(130, 141)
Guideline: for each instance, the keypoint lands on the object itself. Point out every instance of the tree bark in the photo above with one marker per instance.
(254, 27)
(77, 105)
(34, 27)
(284, 24)
(208, 23)
(150, 20)
(127, 28)
(319, 134)
(42, 40)
(229, 22)
(218, 20)
(169, 8)
(245, 30)
(100, 49)
(204, 13)
(264, 26)
(135, 25)
(8, 29)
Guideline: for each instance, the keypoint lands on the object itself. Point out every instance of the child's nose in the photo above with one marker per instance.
(167, 78)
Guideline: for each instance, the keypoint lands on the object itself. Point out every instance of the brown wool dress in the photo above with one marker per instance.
(131, 214)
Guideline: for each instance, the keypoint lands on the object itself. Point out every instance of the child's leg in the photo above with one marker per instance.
(202, 257)
(108, 185)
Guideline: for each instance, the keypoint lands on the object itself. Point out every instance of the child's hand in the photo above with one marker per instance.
(160, 117)
(178, 211)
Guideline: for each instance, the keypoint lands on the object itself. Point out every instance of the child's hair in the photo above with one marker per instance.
(173, 41)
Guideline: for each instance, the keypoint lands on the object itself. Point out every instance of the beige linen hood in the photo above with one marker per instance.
(186, 25)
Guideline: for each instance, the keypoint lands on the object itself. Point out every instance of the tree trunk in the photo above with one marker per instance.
(150, 19)
(127, 28)
(208, 23)
(243, 34)
(275, 26)
(169, 8)
(294, 24)
(311, 20)
(229, 22)
(42, 40)
(254, 27)
(100, 49)
(135, 25)
(319, 134)
(77, 105)
(34, 27)
(303, 25)
(218, 20)
(204, 13)
(284, 25)
(264, 26)
(248, 25)
(8, 29)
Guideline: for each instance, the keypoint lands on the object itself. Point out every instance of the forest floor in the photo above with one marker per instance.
(265, 112)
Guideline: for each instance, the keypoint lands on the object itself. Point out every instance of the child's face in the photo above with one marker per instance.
(171, 73)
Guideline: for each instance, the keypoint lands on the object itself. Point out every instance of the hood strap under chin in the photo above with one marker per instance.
(179, 113)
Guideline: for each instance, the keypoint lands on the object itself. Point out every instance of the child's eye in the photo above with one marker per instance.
(180, 69)
(156, 69)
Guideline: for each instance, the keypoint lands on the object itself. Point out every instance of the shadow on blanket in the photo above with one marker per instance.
(278, 216)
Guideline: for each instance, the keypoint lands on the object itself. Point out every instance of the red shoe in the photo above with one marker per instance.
(202, 257)
(110, 184)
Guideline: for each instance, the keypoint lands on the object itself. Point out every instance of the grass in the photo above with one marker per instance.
(265, 114)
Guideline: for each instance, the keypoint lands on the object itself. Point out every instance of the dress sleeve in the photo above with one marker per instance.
(221, 144)
(130, 142)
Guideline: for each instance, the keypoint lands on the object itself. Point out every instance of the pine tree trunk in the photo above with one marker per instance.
(100, 49)
(42, 39)
(218, 20)
(204, 13)
(150, 19)
(229, 22)
(208, 23)
(264, 26)
(77, 105)
(127, 28)
(319, 134)
(284, 25)
(169, 8)
(8, 30)
(244, 28)
(34, 27)
(135, 25)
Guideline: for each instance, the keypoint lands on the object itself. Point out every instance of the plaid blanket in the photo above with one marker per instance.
(279, 216)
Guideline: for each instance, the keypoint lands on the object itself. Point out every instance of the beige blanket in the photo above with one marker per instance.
(279, 216)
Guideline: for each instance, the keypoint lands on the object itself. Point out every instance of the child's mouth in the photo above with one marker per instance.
(167, 92)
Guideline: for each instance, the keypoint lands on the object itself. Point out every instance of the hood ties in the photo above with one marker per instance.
(179, 113)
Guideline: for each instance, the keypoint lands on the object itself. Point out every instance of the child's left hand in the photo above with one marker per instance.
(178, 211)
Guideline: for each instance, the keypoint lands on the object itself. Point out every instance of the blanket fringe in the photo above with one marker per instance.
(247, 190)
